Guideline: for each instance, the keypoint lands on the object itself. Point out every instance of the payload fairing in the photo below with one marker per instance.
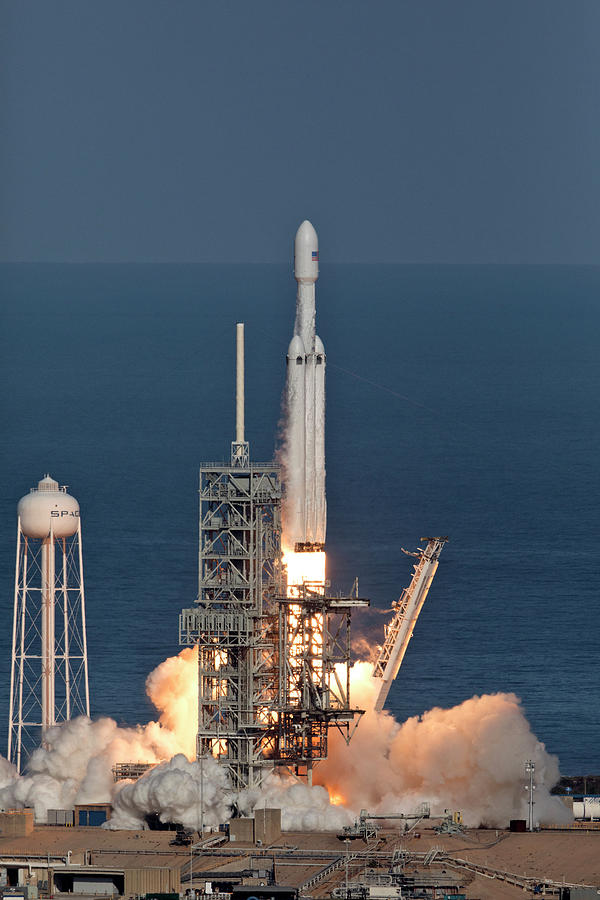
(306, 513)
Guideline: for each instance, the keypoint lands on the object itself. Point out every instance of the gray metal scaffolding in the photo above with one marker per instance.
(314, 678)
(273, 671)
(235, 622)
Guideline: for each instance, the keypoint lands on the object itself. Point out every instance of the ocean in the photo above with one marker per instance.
(461, 400)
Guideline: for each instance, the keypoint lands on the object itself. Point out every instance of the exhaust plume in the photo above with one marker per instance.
(469, 758)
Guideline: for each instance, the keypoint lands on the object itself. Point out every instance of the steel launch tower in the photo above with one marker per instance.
(235, 620)
(49, 671)
(271, 682)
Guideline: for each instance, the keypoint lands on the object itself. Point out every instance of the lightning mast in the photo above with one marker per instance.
(234, 622)
(49, 669)
(400, 630)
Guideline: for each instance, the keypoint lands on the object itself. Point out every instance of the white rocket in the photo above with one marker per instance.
(306, 510)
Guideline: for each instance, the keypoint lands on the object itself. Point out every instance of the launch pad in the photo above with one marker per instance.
(273, 644)
(274, 669)
(314, 633)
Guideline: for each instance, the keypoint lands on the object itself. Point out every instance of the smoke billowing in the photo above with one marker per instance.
(470, 758)
(76, 764)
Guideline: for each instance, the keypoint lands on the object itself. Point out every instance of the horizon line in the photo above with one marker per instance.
(383, 262)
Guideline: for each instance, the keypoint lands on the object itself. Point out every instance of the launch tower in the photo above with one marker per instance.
(273, 669)
(49, 671)
(235, 620)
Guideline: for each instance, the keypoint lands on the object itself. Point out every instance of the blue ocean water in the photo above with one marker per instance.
(460, 401)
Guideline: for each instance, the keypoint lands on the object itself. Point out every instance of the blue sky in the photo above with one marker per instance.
(430, 131)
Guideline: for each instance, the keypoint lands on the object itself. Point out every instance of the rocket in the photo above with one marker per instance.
(306, 510)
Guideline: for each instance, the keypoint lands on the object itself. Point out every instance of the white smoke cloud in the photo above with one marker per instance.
(190, 793)
(75, 764)
(193, 793)
(303, 807)
(469, 758)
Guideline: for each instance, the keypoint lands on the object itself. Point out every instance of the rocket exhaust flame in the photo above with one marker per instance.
(304, 568)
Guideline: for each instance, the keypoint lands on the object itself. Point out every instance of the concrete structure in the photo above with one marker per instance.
(264, 827)
(49, 670)
(267, 825)
(16, 822)
(242, 829)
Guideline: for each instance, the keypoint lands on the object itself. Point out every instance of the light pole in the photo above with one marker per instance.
(347, 842)
(201, 829)
(530, 769)
(202, 797)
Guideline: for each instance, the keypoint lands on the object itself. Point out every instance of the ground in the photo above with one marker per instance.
(572, 856)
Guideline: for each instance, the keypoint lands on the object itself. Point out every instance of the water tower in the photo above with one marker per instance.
(49, 671)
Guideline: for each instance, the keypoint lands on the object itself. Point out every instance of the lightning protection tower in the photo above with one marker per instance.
(49, 671)
(235, 621)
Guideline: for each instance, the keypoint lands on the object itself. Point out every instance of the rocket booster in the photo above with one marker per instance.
(305, 476)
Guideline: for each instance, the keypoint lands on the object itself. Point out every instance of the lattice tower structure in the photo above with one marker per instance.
(314, 677)
(235, 622)
(273, 657)
(49, 665)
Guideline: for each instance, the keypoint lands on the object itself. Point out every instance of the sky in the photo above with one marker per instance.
(454, 131)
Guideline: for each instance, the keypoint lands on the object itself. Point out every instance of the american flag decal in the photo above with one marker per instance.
(315, 256)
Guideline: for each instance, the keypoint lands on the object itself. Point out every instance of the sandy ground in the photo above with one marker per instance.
(487, 889)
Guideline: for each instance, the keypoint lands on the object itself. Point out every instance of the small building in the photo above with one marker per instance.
(264, 827)
(92, 814)
(122, 880)
(267, 825)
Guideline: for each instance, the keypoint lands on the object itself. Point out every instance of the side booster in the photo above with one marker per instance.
(306, 360)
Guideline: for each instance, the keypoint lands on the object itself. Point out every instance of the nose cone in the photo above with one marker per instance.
(306, 253)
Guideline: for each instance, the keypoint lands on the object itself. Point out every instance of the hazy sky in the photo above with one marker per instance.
(450, 131)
